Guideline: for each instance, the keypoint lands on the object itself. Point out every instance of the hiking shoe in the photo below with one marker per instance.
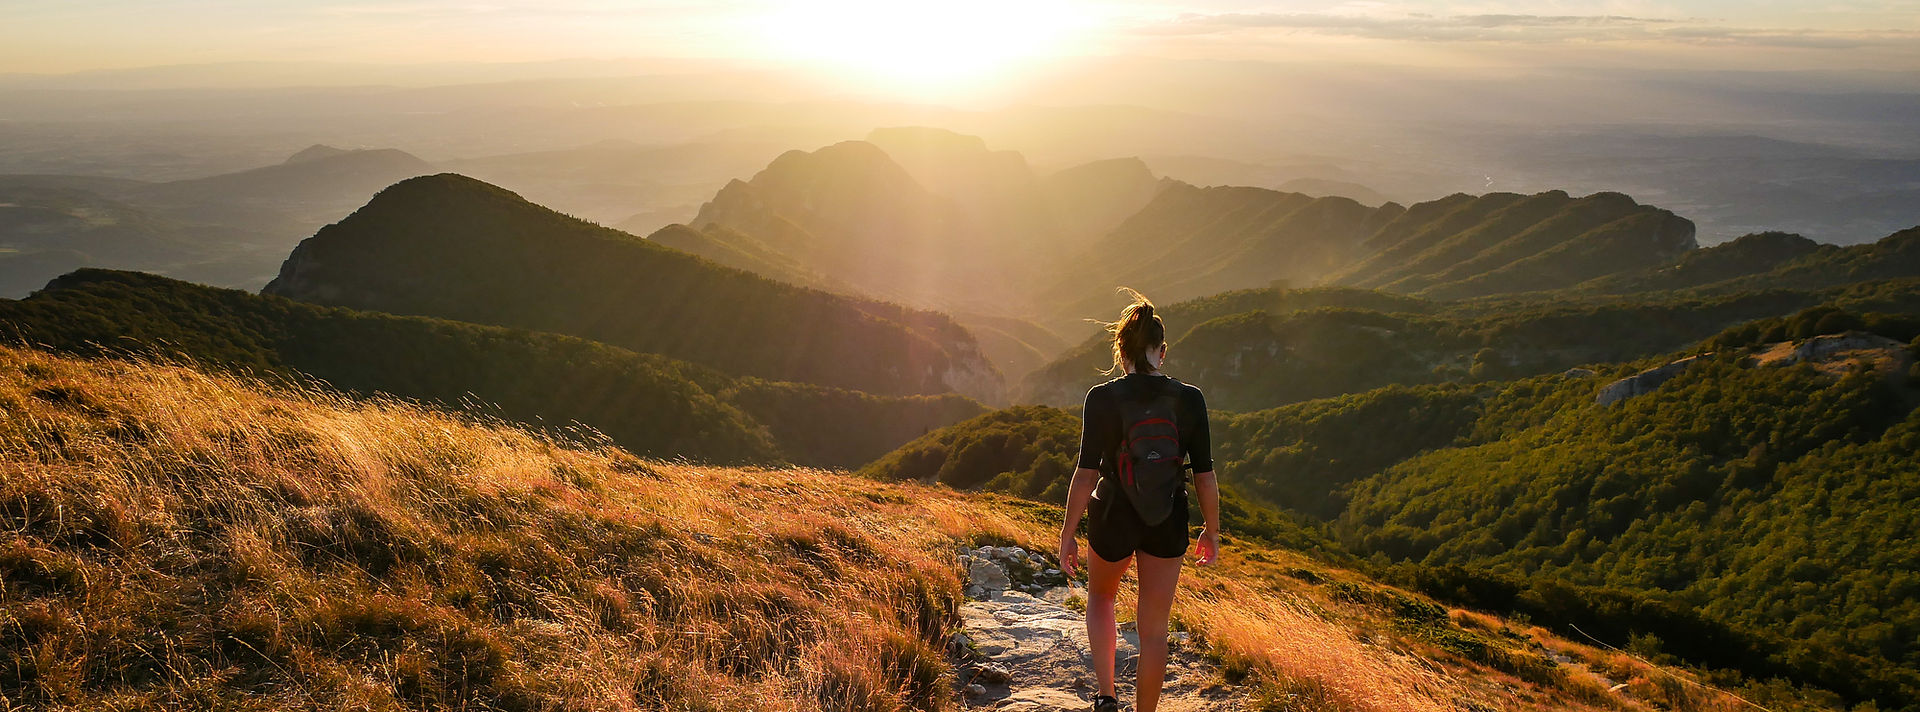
(1106, 703)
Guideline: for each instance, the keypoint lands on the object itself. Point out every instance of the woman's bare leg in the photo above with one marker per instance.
(1103, 587)
(1158, 578)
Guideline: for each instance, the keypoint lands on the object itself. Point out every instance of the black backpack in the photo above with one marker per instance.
(1151, 466)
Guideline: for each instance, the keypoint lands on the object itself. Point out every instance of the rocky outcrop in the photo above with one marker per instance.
(1838, 354)
(1831, 353)
(1644, 382)
(1827, 347)
(993, 570)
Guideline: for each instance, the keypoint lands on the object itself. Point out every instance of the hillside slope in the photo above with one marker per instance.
(176, 540)
(925, 216)
(1500, 243)
(453, 247)
(1719, 517)
(1190, 242)
(644, 402)
(1265, 348)
(180, 541)
(1744, 491)
(1741, 257)
(851, 212)
(1891, 257)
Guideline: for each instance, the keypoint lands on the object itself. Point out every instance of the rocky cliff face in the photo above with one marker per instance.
(303, 277)
(1644, 382)
(1839, 354)
(1834, 354)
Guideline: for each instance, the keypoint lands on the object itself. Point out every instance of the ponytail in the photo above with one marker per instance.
(1137, 332)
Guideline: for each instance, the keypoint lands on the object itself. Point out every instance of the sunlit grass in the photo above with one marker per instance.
(170, 539)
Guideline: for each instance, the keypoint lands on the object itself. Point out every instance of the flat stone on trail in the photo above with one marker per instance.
(1019, 630)
(1041, 645)
(1043, 700)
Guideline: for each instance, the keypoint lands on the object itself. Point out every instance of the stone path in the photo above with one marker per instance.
(1026, 651)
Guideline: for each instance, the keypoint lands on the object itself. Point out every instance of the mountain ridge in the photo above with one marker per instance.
(458, 248)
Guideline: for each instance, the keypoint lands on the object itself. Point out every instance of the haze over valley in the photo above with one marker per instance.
(449, 356)
(125, 168)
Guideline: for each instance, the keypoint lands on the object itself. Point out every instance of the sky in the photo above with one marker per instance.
(906, 41)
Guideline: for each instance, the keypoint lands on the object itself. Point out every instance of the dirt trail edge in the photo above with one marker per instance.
(1021, 648)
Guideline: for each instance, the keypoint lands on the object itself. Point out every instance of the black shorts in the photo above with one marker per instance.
(1115, 531)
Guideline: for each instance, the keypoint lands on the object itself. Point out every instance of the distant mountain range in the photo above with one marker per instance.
(457, 248)
(233, 229)
(926, 216)
(930, 217)
(1190, 241)
(230, 229)
(635, 187)
(937, 219)
(315, 177)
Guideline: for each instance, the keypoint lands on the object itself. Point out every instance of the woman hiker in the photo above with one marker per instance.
(1140, 433)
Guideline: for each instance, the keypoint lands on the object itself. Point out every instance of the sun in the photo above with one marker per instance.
(925, 47)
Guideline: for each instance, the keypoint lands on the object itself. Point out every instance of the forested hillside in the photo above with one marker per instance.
(1769, 497)
(1773, 260)
(1743, 256)
(1263, 348)
(456, 248)
(1191, 242)
(1028, 451)
(1064, 380)
(647, 403)
(1746, 515)
(1894, 256)
(1501, 243)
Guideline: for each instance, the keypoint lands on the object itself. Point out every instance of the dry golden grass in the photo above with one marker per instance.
(1319, 664)
(170, 539)
(173, 539)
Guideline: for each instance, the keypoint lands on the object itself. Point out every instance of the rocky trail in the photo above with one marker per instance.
(1023, 645)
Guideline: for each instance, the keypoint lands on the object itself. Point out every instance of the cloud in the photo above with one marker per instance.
(1518, 28)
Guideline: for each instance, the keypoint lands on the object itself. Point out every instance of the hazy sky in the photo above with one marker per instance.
(958, 39)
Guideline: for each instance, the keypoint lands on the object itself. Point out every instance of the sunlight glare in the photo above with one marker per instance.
(921, 46)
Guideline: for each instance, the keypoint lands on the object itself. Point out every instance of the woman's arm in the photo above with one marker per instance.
(1096, 438)
(1078, 493)
(1208, 488)
(1200, 450)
